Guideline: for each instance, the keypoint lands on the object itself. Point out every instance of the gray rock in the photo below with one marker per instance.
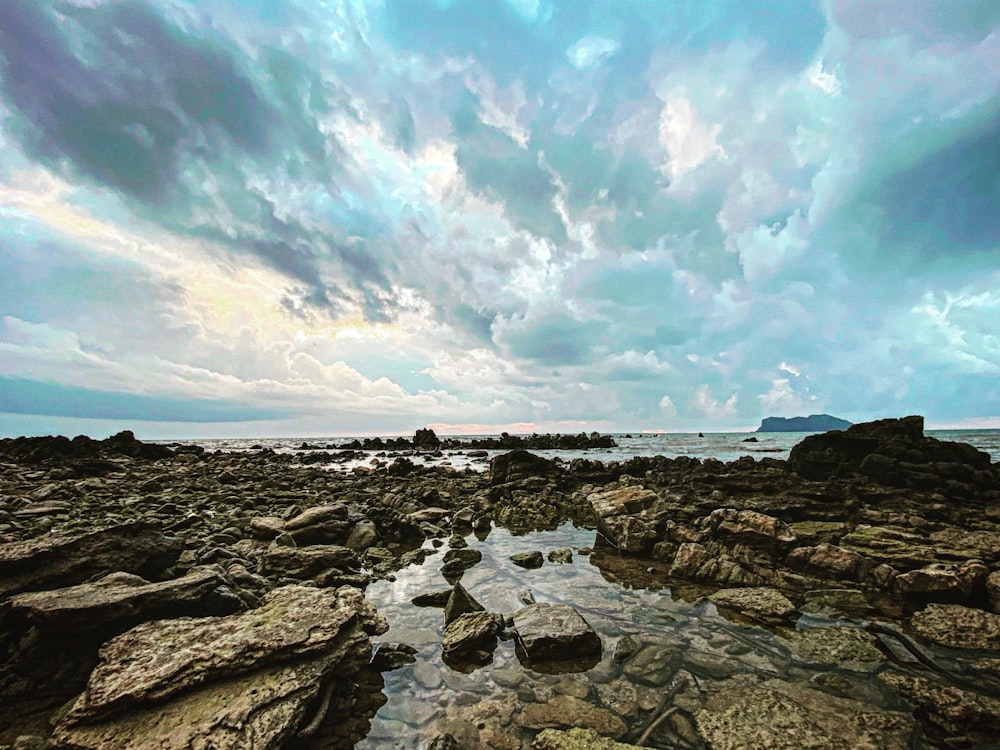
(470, 639)
(562, 555)
(119, 601)
(955, 626)
(555, 632)
(655, 664)
(460, 602)
(240, 681)
(576, 739)
(624, 517)
(763, 604)
(362, 536)
(457, 561)
(309, 561)
(49, 562)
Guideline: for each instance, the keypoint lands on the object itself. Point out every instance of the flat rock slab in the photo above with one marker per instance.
(259, 710)
(955, 626)
(308, 561)
(759, 603)
(555, 632)
(565, 711)
(157, 660)
(121, 600)
(779, 715)
(576, 739)
(849, 648)
(52, 561)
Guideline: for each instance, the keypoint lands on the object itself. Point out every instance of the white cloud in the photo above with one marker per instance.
(591, 50)
(689, 141)
(667, 407)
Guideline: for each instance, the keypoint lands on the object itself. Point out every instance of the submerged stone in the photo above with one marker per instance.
(555, 632)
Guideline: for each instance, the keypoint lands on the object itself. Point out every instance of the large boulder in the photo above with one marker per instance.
(469, 640)
(245, 680)
(52, 561)
(895, 453)
(955, 626)
(323, 524)
(309, 561)
(625, 517)
(518, 465)
(554, 633)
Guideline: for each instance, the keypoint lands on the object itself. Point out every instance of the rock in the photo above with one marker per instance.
(655, 664)
(425, 439)
(993, 590)
(624, 517)
(529, 560)
(554, 633)
(625, 649)
(389, 656)
(955, 626)
(576, 739)
(232, 682)
(562, 555)
(830, 561)
(307, 562)
(266, 527)
(457, 561)
(362, 536)
(57, 561)
(436, 599)
(119, 601)
(567, 711)
(460, 602)
(764, 604)
(956, 711)
(518, 465)
(697, 562)
(844, 647)
(756, 530)
(323, 524)
(779, 715)
(836, 601)
(812, 423)
(470, 640)
(941, 582)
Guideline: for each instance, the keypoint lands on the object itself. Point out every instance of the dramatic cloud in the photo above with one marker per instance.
(246, 217)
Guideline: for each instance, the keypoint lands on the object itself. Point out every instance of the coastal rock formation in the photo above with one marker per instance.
(554, 633)
(812, 423)
(246, 680)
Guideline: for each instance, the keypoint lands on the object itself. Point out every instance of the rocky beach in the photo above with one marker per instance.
(173, 597)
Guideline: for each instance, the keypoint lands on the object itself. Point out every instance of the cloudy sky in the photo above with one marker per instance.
(334, 217)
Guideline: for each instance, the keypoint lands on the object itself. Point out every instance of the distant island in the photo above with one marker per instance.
(812, 423)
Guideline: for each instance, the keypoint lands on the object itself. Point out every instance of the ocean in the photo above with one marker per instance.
(724, 446)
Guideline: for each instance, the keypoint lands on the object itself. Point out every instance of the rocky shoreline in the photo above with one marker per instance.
(174, 597)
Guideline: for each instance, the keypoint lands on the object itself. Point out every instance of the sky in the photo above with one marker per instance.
(336, 217)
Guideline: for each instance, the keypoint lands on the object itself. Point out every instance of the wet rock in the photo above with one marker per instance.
(389, 656)
(624, 517)
(457, 561)
(56, 561)
(554, 633)
(712, 564)
(232, 682)
(765, 604)
(655, 664)
(529, 560)
(460, 602)
(470, 640)
(625, 649)
(836, 602)
(779, 715)
(569, 712)
(848, 648)
(307, 562)
(953, 710)
(118, 601)
(955, 626)
(562, 555)
(435, 599)
(576, 739)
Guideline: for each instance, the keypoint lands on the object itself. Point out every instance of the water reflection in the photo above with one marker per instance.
(683, 647)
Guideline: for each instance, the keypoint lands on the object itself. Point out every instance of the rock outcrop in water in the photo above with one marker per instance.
(812, 423)
(178, 596)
